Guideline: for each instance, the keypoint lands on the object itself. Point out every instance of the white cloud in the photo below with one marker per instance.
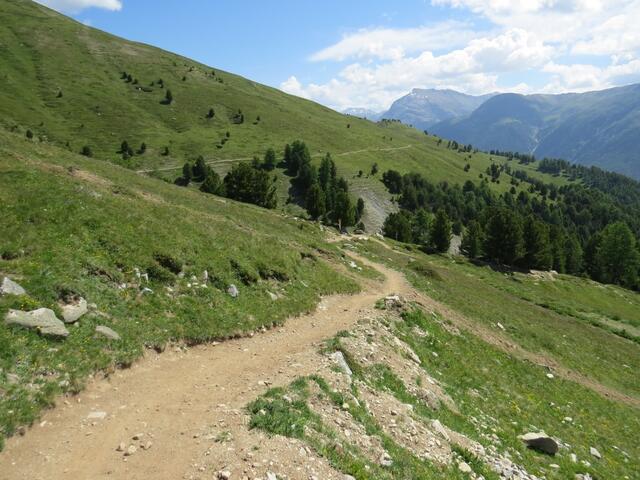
(390, 44)
(559, 45)
(473, 69)
(75, 6)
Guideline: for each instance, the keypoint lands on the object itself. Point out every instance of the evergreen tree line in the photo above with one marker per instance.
(326, 197)
(249, 183)
(582, 232)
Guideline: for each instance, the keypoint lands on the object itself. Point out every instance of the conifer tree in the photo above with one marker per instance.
(472, 240)
(537, 246)
(504, 242)
(212, 183)
(315, 201)
(269, 162)
(441, 232)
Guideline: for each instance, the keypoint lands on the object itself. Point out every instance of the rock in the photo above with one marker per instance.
(437, 426)
(549, 375)
(97, 415)
(464, 467)
(107, 332)
(233, 291)
(348, 477)
(583, 476)
(574, 458)
(541, 442)
(147, 445)
(9, 287)
(224, 475)
(72, 312)
(338, 358)
(593, 451)
(121, 447)
(385, 460)
(43, 319)
(394, 301)
(271, 476)
(130, 450)
(273, 296)
(137, 436)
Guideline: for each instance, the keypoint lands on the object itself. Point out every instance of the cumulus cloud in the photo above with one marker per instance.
(390, 44)
(561, 45)
(473, 69)
(75, 6)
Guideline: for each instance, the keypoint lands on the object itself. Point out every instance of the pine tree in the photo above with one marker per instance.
(421, 227)
(29, 134)
(212, 183)
(211, 113)
(269, 162)
(86, 151)
(168, 98)
(200, 169)
(359, 209)
(537, 246)
(573, 255)
(618, 255)
(472, 240)
(187, 173)
(343, 212)
(441, 232)
(398, 227)
(504, 242)
(315, 201)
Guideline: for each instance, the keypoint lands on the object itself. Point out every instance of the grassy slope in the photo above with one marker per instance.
(80, 225)
(553, 318)
(44, 53)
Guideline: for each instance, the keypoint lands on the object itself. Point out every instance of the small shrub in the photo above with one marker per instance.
(167, 261)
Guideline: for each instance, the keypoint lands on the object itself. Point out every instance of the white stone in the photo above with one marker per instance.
(9, 287)
(72, 312)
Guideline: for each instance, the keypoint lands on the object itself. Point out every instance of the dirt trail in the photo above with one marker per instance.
(221, 161)
(172, 397)
(183, 400)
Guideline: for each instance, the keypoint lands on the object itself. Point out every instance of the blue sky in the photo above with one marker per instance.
(367, 53)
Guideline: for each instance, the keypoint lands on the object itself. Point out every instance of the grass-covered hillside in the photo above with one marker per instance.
(74, 86)
(77, 227)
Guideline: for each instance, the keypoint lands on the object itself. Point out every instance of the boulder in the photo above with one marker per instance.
(71, 312)
(338, 358)
(233, 291)
(439, 428)
(594, 451)
(541, 442)
(272, 296)
(43, 319)
(9, 287)
(107, 332)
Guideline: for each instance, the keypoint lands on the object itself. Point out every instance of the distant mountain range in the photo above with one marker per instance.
(599, 128)
(364, 113)
(424, 108)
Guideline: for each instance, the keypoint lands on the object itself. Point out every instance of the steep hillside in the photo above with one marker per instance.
(68, 84)
(156, 261)
(424, 108)
(594, 128)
